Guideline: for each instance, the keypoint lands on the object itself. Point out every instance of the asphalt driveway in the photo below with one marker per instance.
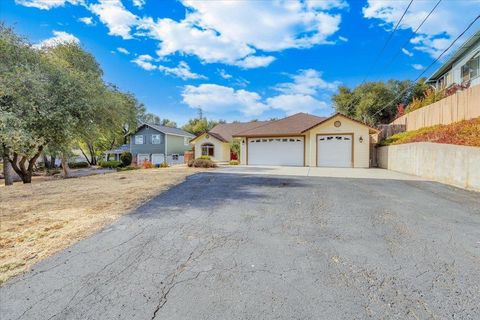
(230, 246)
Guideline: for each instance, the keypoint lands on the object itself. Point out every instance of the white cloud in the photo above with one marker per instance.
(308, 82)
(224, 74)
(326, 5)
(87, 20)
(293, 103)
(59, 37)
(241, 33)
(119, 20)
(344, 39)
(138, 3)
(144, 61)
(300, 95)
(220, 100)
(182, 37)
(417, 66)
(408, 53)
(251, 62)
(182, 71)
(444, 24)
(232, 32)
(47, 4)
(265, 25)
(123, 50)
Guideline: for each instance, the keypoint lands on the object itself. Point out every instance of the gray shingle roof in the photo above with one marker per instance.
(168, 130)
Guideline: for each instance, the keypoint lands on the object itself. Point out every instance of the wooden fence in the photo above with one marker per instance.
(463, 105)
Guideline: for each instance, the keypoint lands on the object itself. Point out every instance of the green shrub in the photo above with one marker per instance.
(205, 158)
(164, 165)
(77, 165)
(202, 163)
(234, 162)
(126, 158)
(113, 164)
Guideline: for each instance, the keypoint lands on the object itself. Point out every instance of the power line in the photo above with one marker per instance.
(414, 33)
(387, 42)
(383, 48)
(425, 70)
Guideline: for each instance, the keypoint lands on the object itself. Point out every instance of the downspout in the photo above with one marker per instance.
(165, 156)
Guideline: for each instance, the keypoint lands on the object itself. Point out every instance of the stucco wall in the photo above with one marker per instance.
(450, 164)
(361, 153)
(221, 149)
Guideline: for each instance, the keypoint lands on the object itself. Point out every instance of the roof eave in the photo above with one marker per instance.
(455, 57)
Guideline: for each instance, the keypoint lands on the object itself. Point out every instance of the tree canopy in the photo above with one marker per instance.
(54, 98)
(197, 126)
(376, 102)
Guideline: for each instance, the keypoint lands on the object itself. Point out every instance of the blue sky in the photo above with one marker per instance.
(242, 60)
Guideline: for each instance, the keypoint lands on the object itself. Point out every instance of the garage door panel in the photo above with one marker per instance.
(334, 150)
(286, 151)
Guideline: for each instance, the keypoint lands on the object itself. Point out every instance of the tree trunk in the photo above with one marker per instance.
(7, 171)
(45, 162)
(65, 168)
(25, 173)
(93, 158)
(27, 178)
(86, 157)
(52, 162)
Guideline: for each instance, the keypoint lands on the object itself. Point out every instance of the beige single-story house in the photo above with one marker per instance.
(216, 142)
(298, 140)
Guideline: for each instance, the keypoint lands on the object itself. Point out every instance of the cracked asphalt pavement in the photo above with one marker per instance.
(223, 246)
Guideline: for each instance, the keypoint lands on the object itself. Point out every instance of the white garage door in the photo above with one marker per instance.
(284, 151)
(157, 158)
(141, 158)
(334, 150)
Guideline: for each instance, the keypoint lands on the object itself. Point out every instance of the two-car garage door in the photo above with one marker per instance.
(333, 150)
(278, 151)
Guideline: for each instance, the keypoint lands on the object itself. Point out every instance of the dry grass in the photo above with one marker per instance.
(45, 217)
(465, 133)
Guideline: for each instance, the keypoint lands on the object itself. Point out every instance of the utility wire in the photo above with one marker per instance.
(387, 42)
(413, 34)
(425, 70)
(383, 49)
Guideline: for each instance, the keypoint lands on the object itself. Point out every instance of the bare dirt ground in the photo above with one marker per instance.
(45, 217)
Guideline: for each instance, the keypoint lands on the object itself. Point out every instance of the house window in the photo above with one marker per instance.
(471, 69)
(186, 141)
(207, 149)
(156, 139)
(445, 81)
(139, 139)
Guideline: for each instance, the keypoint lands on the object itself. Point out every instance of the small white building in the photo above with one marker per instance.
(462, 67)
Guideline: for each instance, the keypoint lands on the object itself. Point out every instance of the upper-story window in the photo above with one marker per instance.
(471, 69)
(139, 139)
(186, 141)
(156, 139)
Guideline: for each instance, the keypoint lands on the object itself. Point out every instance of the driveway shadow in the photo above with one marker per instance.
(209, 190)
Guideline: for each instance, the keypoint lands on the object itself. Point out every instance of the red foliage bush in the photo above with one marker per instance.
(147, 164)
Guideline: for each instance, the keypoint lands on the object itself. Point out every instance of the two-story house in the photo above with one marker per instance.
(156, 144)
(462, 67)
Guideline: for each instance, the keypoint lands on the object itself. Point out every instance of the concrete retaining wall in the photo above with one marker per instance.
(445, 163)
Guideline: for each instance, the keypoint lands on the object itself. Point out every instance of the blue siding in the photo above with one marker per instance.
(147, 146)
